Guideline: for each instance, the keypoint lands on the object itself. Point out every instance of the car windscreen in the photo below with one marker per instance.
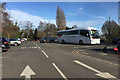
(12, 39)
(4, 40)
(95, 34)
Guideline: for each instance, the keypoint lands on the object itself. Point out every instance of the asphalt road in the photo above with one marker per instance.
(39, 61)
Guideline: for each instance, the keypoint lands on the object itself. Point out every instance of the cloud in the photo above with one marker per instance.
(102, 17)
(80, 8)
(93, 23)
(21, 16)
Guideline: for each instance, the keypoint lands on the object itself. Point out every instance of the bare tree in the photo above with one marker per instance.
(111, 29)
(47, 29)
(27, 27)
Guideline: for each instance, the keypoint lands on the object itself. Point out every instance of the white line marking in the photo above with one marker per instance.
(86, 53)
(45, 53)
(39, 47)
(83, 52)
(35, 47)
(103, 54)
(1, 65)
(100, 60)
(65, 78)
(101, 74)
(84, 65)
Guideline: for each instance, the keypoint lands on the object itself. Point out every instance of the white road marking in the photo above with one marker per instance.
(100, 60)
(30, 47)
(39, 47)
(85, 53)
(1, 65)
(60, 72)
(103, 54)
(35, 47)
(27, 72)
(101, 74)
(75, 47)
(22, 47)
(82, 52)
(2, 57)
(45, 53)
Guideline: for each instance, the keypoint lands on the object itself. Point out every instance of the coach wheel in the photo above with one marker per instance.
(63, 41)
(80, 42)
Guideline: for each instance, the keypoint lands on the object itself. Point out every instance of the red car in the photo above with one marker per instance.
(117, 50)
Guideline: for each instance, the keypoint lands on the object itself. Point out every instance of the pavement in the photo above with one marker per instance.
(52, 61)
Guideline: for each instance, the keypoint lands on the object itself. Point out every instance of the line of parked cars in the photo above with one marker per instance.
(48, 40)
(6, 43)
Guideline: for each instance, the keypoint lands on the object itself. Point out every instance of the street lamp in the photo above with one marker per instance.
(105, 48)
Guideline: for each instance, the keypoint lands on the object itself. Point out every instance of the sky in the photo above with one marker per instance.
(82, 14)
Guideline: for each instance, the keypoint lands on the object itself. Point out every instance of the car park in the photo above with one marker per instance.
(48, 40)
(15, 42)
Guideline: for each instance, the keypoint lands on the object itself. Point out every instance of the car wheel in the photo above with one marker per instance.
(52, 41)
(16, 44)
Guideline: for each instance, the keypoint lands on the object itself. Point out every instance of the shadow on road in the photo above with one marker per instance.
(110, 51)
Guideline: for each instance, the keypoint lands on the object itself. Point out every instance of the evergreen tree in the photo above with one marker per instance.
(35, 34)
(31, 35)
(60, 19)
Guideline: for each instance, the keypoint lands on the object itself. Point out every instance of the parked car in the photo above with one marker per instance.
(25, 39)
(15, 42)
(0, 44)
(118, 47)
(48, 40)
(5, 44)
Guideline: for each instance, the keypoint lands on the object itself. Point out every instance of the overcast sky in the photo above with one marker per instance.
(82, 14)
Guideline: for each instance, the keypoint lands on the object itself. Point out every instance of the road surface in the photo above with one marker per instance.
(52, 61)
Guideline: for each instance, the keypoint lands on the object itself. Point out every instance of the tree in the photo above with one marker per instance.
(74, 26)
(31, 35)
(111, 29)
(35, 34)
(60, 19)
(47, 29)
(27, 26)
(9, 28)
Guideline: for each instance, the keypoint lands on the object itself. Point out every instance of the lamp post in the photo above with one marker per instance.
(105, 48)
(109, 32)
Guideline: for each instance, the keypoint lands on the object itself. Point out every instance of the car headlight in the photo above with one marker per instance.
(3, 45)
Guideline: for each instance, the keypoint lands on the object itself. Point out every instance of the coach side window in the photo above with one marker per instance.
(73, 32)
(84, 33)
